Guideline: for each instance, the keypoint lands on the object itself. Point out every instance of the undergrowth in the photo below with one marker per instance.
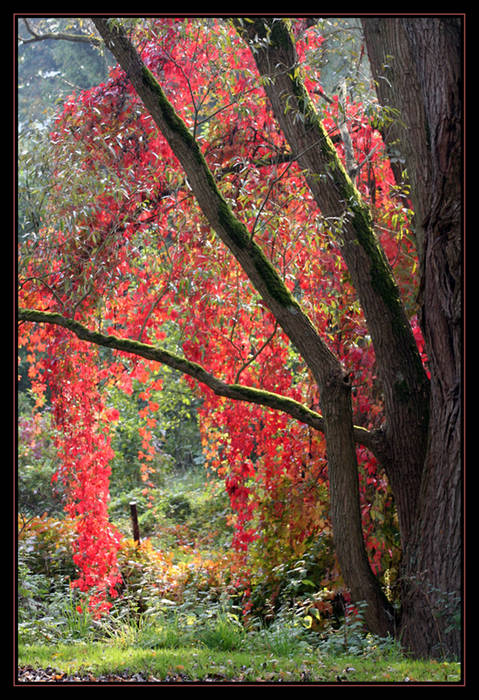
(178, 608)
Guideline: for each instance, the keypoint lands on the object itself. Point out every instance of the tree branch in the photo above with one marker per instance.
(257, 353)
(370, 439)
(60, 36)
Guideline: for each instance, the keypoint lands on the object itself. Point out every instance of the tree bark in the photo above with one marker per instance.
(346, 515)
(398, 92)
(428, 99)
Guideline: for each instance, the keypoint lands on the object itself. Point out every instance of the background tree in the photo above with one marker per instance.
(400, 445)
(48, 70)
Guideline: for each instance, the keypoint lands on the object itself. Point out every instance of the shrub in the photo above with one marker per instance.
(178, 508)
(45, 545)
(37, 462)
(303, 584)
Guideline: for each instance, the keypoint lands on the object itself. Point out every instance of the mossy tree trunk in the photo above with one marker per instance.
(404, 381)
(405, 384)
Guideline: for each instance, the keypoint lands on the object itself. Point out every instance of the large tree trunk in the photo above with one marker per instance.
(346, 513)
(431, 143)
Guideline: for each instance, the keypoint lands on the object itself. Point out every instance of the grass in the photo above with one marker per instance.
(199, 663)
(189, 648)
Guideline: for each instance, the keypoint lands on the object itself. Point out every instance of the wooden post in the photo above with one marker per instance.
(134, 522)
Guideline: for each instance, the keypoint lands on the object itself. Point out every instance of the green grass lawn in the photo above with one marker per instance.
(94, 659)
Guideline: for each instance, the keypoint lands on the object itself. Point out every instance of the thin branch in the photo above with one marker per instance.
(266, 197)
(50, 289)
(258, 352)
(60, 36)
(263, 162)
(153, 307)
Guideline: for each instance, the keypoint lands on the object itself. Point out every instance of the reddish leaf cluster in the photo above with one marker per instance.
(140, 257)
(85, 453)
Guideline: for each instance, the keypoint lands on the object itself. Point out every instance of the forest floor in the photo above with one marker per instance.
(106, 663)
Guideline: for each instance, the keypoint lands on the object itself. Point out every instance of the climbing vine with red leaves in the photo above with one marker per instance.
(131, 254)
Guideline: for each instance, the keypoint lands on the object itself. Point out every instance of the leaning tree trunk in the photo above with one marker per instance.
(333, 381)
(431, 143)
(406, 387)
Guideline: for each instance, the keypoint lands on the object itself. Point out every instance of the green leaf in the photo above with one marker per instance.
(308, 582)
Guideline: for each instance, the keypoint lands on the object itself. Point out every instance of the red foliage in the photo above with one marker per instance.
(139, 256)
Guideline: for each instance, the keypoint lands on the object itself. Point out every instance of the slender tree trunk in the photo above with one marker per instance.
(332, 380)
(346, 514)
(431, 142)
